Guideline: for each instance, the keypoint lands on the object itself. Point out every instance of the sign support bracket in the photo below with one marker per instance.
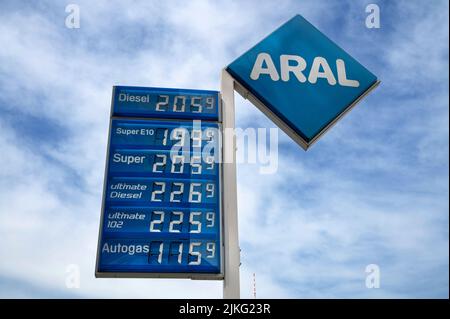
(231, 285)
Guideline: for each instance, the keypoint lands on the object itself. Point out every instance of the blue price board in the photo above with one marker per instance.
(161, 210)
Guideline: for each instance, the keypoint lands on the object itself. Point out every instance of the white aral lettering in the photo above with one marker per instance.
(321, 63)
(297, 69)
(320, 69)
(342, 76)
(258, 69)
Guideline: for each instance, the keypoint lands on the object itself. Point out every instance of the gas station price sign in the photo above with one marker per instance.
(162, 208)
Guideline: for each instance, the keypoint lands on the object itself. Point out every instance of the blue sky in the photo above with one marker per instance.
(373, 190)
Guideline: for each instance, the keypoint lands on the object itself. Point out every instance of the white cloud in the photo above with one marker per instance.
(308, 231)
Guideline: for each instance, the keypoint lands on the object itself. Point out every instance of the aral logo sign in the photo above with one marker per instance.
(301, 79)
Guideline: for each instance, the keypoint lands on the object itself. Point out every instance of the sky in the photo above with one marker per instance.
(373, 190)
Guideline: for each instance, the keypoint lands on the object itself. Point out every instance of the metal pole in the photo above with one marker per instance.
(231, 287)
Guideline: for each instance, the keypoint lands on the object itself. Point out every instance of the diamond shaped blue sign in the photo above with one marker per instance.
(301, 80)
